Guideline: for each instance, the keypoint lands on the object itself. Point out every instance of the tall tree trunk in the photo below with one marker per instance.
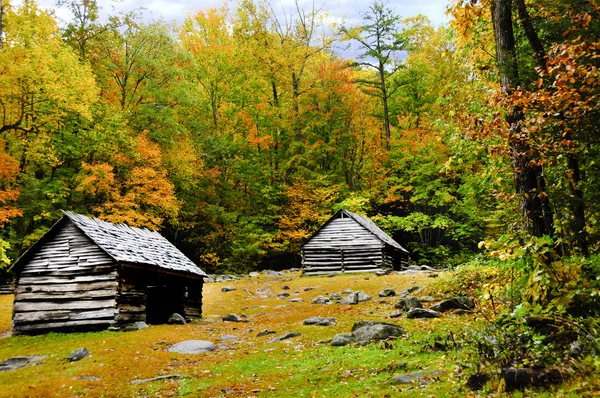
(528, 173)
(577, 205)
(386, 112)
(1, 23)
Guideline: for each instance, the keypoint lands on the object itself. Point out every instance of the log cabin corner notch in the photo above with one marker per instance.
(348, 242)
(89, 274)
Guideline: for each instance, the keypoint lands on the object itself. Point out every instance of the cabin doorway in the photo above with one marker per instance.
(162, 301)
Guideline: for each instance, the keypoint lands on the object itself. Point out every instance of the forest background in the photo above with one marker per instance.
(239, 132)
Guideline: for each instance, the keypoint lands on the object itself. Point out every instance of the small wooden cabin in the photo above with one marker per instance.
(348, 242)
(89, 274)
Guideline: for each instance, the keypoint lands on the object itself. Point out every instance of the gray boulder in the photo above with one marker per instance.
(78, 354)
(285, 337)
(20, 362)
(422, 313)
(192, 347)
(335, 297)
(456, 303)
(377, 332)
(233, 318)
(387, 293)
(270, 272)
(355, 298)
(296, 300)
(409, 291)
(406, 303)
(226, 289)
(283, 295)
(139, 325)
(320, 300)
(176, 319)
(422, 377)
(265, 332)
(342, 339)
(316, 320)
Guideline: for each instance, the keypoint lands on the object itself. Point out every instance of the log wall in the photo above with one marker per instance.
(68, 283)
(193, 300)
(343, 245)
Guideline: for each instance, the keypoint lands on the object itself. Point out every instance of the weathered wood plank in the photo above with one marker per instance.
(39, 316)
(71, 295)
(44, 280)
(63, 305)
(24, 328)
(69, 287)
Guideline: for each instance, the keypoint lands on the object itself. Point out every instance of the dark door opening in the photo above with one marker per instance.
(162, 302)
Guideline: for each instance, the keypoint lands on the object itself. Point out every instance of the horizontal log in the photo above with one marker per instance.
(127, 308)
(50, 326)
(82, 295)
(76, 270)
(43, 280)
(60, 305)
(39, 316)
(68, 287)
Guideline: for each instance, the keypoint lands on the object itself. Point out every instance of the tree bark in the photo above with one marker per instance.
(528, 173)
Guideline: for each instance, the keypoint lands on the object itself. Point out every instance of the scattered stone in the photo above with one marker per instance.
(320, 300)
(396, 314)
(159, 378)
(409, 291)
(233, 318)
(176, 319)
(355, 298)
(335, 297)
(306, 289)
(228, 337)
(422, 313)
(283, 295)
(284, 337)
(254, 274)
(139, 325)
(224, 278)
(265, 293)
(521, 378)
(78, 354)
(270, 272)
(88, 378)
(296, 300)
(422, 377)
(362, 323)
(265, 332)
(477, 381)
(316, 320)
(192, 347)
(463, 303)
(575, 349)
(387, 293)
(20, 362)
(377, 332)
(277, 307)
(285, 287)
(347, 291)
(408, 302)
(383, 272)
(226, 289)
(342, 339)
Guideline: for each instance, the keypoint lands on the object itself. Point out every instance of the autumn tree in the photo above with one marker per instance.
(380, 40)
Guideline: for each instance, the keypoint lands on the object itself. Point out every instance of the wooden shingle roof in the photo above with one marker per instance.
(134, 245)
(365, 223)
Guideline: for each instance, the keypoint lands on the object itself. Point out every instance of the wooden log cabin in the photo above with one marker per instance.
(348, 242)
(88, 274)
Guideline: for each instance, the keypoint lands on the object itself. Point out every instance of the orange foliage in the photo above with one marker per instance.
(8, 174)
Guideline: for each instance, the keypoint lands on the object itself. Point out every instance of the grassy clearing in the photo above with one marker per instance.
(249, 366)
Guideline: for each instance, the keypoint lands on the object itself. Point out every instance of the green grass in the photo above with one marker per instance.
(251, 366)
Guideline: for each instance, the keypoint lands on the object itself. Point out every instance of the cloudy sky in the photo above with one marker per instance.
(348, 10)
